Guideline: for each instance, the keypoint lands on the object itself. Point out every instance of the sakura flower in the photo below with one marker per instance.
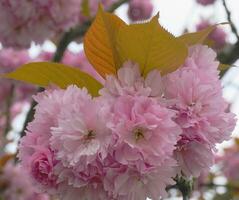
(201, 58)
(218, 36)
(42, 165)
(200, 108)
(133, 185)
(35, 152)
(194, 156)
(140, 10)
(130, 82)
(16, 184)
(27, 21)
(145, 127)
(11, 59)
(205, 2)
(81, 131)
(38, 160)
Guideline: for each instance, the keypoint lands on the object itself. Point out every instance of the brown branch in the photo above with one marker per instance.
(9, 102)
(229, 56)
(233, 27)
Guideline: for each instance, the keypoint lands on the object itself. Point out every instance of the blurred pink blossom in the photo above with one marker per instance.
(16, 185)
(140, 9)
(218, 36)
(205, 2)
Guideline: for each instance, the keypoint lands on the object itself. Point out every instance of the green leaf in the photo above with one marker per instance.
(151, 46)
(45, 73)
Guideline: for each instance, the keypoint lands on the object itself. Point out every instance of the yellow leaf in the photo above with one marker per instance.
(99, 43)
(199, 37)
(45, 73)
(151, 46)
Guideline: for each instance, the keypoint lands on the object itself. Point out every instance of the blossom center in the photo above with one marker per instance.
(138, 133)
(90, 135)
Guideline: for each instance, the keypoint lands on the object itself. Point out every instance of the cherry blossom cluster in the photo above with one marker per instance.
(23, 22)
(16, 185)
(132, 140)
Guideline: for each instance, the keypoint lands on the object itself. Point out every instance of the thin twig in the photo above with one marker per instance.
(233, 27)
(66, 39)
(9, 102)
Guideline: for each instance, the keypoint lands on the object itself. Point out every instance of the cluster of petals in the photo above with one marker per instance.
(133, 139)
(200, 110)
(23, 22)
(16, 185)
(27, 21)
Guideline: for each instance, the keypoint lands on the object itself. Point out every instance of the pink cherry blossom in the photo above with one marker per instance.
(23, 22)
(194, 156)
(205, 2)
(140, 10)
(133, 139)
(38, 136)
(129, 82)
(218, 36)
(140, 123)
(132, 185)
(27, 21)
(81, 131)
(16, 184)
(200, 109)
(42, 165)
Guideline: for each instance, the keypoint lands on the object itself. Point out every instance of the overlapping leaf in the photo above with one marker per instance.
(151, 46)
(44, 73)
(99, 43)
(110, 42)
